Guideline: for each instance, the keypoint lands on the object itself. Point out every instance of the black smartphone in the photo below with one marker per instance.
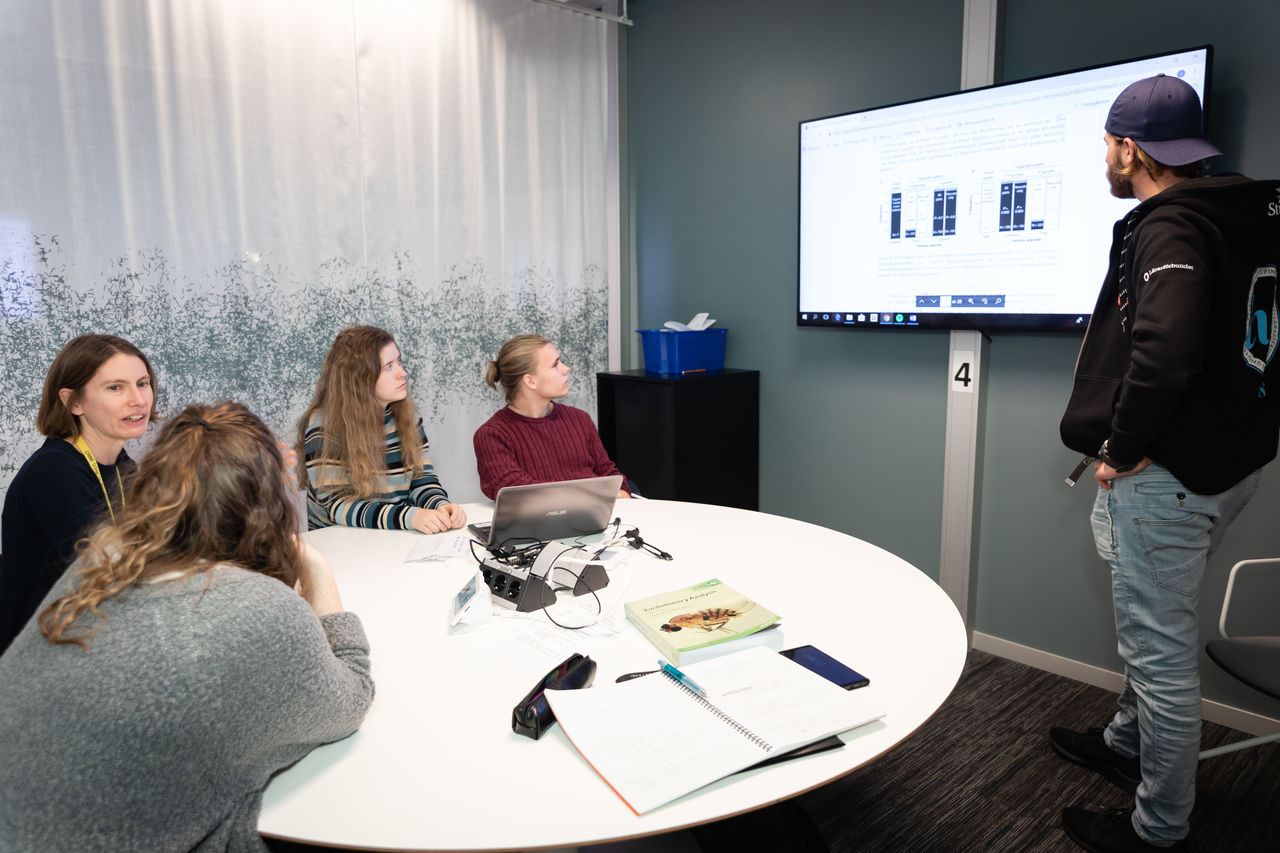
(825, 665)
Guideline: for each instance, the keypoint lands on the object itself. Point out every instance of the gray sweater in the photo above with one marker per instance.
(164, 733)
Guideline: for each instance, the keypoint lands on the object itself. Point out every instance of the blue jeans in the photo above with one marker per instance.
(1157, 536)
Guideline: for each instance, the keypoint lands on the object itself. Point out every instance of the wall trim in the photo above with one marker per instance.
(1214, 712)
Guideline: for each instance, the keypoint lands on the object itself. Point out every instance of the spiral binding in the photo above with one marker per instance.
(725, 718)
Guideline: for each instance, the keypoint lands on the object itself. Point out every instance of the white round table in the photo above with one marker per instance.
(436, 765)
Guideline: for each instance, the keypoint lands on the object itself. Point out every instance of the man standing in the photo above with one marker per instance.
(1177, 395)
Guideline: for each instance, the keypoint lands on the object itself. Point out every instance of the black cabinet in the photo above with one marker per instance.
(687, 438)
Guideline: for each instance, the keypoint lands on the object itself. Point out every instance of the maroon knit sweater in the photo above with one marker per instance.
(514, 450)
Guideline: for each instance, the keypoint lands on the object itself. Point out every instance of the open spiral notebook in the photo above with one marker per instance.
(652, 739)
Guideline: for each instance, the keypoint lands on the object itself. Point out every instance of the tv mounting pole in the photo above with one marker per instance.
(966, 392)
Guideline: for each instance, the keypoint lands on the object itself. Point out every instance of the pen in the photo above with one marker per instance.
(682, 678)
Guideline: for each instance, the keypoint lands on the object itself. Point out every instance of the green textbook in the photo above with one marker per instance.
(693, 623)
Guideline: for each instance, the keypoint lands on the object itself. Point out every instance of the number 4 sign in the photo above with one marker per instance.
(963, 372)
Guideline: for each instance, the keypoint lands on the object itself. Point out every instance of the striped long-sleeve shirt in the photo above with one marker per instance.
(399, 495)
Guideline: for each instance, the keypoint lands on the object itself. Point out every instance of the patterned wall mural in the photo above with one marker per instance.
(239, 334)
(228, 190)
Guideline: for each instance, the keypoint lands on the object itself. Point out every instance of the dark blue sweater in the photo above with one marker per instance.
(52, 502)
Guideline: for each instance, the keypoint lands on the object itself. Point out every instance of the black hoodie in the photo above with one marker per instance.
(1177, 362)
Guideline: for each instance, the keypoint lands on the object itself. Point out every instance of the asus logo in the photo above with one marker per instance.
(557, 512)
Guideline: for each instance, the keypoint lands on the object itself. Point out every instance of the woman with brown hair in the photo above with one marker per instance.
(534, 439)
(98, 394)
(195, 648)
(364, 445)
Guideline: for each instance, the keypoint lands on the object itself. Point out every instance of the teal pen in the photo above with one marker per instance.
(682, 678)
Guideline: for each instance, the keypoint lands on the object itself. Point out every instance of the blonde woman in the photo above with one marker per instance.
(195, 648)
(364, 447)
(534, 439)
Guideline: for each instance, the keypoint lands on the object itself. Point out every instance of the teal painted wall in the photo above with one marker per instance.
(1039, 582)
(852, 424)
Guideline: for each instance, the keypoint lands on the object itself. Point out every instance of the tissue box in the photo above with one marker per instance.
(675, 353)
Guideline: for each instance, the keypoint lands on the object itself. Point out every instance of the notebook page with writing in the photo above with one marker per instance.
(653, 740)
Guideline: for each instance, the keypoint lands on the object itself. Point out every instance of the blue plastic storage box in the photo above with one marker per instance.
(673, 353)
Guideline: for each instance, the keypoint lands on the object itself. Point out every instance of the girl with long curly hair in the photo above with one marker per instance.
(196, 647)
(364, 447)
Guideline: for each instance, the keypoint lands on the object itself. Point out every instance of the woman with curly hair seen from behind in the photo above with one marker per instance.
(364, 445)
(196, 647)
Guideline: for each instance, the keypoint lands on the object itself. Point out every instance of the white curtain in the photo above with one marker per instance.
(229, 183)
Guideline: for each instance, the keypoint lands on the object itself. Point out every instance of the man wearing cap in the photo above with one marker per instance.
(1177, 397)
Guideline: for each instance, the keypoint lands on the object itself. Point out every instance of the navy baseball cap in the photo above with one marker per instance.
(1162, 114)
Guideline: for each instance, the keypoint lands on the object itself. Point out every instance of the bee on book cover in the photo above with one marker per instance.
(709, 619)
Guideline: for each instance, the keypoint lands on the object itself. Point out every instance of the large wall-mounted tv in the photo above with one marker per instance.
(982, 209)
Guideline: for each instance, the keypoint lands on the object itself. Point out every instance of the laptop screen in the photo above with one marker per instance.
(524, 515)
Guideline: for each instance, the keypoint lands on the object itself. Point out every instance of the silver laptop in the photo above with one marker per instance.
(526, 515)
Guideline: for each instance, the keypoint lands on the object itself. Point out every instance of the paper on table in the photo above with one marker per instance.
(441, 546)
(652, 741)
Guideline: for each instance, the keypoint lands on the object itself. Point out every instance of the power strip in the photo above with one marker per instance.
(514, 587)
(528, 588)
(570, 567)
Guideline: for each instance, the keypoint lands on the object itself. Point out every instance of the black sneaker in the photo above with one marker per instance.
(1088, 749)
(1108, 832)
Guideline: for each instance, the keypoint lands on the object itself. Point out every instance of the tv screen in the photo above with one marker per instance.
(982, 209)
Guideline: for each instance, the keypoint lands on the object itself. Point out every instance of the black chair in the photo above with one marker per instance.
(1253, 660)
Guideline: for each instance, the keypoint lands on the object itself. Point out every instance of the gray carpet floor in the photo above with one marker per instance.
(980, 776)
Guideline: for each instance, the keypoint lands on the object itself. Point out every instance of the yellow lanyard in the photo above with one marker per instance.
(93, 463)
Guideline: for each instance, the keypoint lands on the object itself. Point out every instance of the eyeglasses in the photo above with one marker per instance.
(533, 716)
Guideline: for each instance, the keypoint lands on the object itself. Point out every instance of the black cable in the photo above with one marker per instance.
(599, 608)
(616, 524)
(552, 569)
(637, 541)
(507, 554)
(507, 548)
